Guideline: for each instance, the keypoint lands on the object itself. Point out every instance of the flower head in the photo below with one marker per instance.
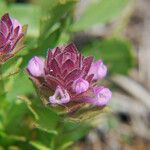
(70, 77)
(11, 37)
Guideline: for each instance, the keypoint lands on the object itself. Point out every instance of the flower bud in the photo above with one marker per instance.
(102, 96)
(80, 85)
(98, 69)
(36, 66)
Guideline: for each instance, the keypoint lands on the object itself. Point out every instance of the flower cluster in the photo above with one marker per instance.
(68, 77)
(11, 35)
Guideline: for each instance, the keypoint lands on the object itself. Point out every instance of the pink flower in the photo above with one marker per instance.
(98, 69)
(36, 66)
(69, 78)
(11, 33)
(80, 85)
(100, 97)
(61, 96)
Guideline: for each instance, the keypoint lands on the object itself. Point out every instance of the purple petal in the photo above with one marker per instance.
(36, 66)
(101, 98)
(60, 96)
(80, 85)
(98, 69)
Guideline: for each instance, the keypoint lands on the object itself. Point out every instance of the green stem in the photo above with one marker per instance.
(2, 91)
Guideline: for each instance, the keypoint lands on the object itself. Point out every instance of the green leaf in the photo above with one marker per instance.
(71, 132)
(39, 146)
(117, 54)
(1, 148)
(17, 119)
(53, 23)
(45, 119)
(45, 138)
(12, 69)
(100, 12)
(21, 86)
(13, 148)
(11, 142)
(7, 139)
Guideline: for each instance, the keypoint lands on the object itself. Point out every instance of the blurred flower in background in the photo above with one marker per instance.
(11, 37)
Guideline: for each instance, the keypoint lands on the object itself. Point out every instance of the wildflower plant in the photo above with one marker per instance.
(49, 101)
(67, 84)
